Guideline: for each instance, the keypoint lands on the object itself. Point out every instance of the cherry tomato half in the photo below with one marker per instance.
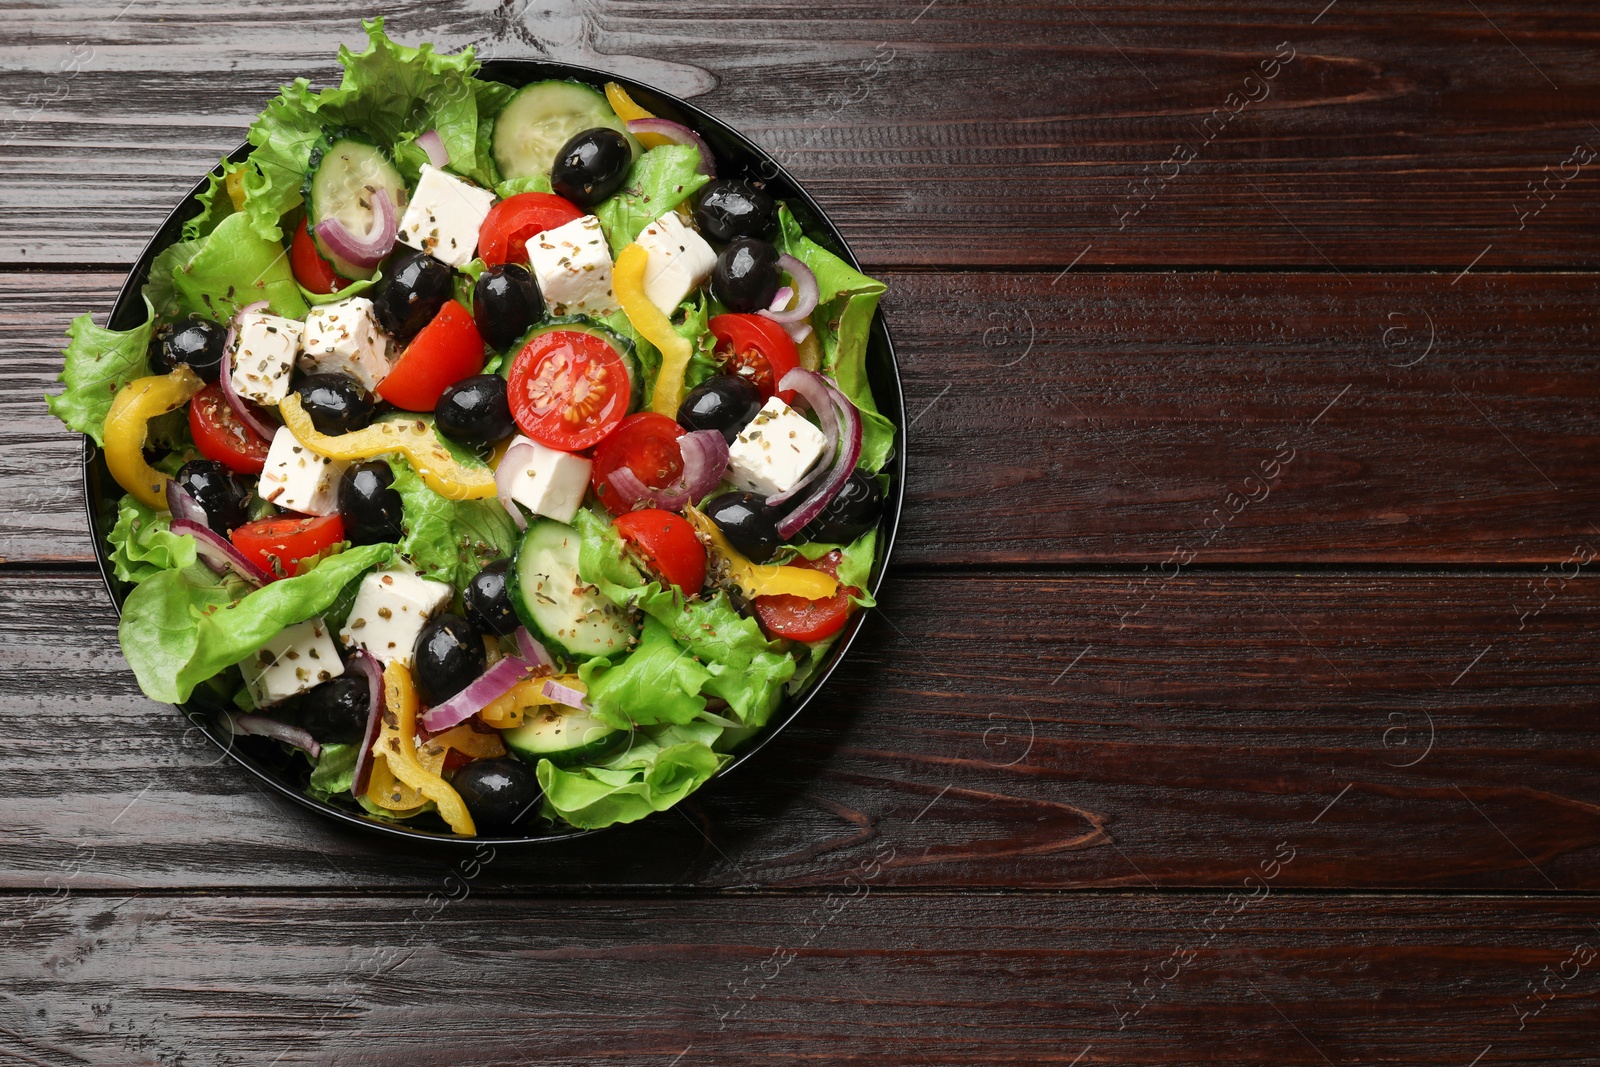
(219, 434)
(800, 619)
(647, 443)
(310, 269)
(757, 349)
(503, 237)
(281, 542)
(668, 545)
(447, 350)
(568, 389)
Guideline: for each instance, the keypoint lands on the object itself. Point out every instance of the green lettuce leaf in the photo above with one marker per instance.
(335, 771)
(660, 180)
(533, 183)
(143, 544)
(235, 267)
(99, 362)
(658, 682)
(215, 203)
(160, 291)
(180, 627)
(661, 767)
(449, 540)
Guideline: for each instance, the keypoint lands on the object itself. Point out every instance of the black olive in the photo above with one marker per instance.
(850, 514)
(505, 302)
(474, 411)
(729, 208)
(335, 712)
(591, 166)
(448, 656)
(336, 402)
(369, 505)
(749, 525)
(223, 497)
(725, 403)
(746, 276)
(500, 793)
(417, 288)
(488, 600)
(195, 341)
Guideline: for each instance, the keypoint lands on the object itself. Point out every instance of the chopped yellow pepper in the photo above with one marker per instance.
(412, 437)
(234, 183)
(763, 579)
(397, 745)
(811, 352)
(128, 422)
(508, 709)
(627, 111)
(627, 282)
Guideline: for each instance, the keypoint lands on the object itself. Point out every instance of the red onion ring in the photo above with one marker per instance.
(806, 294)
(677, 133)
(183, 506)
(573, 698)
(218, 552)
(515, 456)
(705, 460)
(433, 144)
(532, 650)
(844, 462)
(813, 388)
(366, 250)
(247, 413)
(491, 685)
(363, 664)
(781, 298)
(261, 726)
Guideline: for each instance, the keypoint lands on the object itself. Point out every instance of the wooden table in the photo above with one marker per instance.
(1234, 694)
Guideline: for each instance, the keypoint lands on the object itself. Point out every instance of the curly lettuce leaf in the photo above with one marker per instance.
(99, 362)
(449, 540)
(216, 203)
(335, 771)
(661, 767)
(657, 682)
(533, 183)
(234, 267)
(181, 627)
(660, 180)
(143, 544)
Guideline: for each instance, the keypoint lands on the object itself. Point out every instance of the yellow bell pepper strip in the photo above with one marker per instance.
(128, 423)
(463, 739)
(413, 438)
(399, 751)
(389, 792)
(234, 183)
(508, 709)
(627, 111)
(762, 579)
(811, 352)
(627, 282)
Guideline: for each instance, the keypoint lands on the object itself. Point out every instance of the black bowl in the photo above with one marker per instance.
(737, 156)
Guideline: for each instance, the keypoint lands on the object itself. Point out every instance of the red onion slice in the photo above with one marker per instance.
(365, 665)
(705, 460)
(813, 388)
(219, 554)
(677, 133)
(781, 298)
(261, 726)
(573, 698)
(532, 650)
(520, 452)
(366, 249)
(183, 506)
(806, 290)
(433, 144)
(491, 685)
(247, 413)
(844, 461)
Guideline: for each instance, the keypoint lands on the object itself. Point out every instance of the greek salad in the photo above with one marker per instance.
(485, 449)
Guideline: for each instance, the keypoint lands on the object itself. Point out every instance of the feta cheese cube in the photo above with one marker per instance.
(774, 450)
(301, 657)
(263, 357)
(298, 479)
(444, 216)
(679, 259)
(344, 338)
(549, 483)
(572, 264)
(390, 609)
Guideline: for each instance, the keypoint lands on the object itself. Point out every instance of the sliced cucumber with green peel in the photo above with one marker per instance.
(623, 347)
(562, 735)
(544, 116)
(345, 175)
(556, 604)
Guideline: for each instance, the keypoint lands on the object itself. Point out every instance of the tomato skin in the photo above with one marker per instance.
(568, 389)
(219, 434)
(503, 237)
(310, 269)
(447, 350)
(800, 619)
(285, 540)
(645, 442)
(756, 348)
(669, 545)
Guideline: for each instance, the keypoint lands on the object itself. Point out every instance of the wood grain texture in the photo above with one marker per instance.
(1022, 731)
(1125, 419)
(868, 977)
(972, 132)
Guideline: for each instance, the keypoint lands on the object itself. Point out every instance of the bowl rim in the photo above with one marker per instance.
(883, 373)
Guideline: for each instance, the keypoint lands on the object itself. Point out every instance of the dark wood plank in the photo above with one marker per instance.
(1126, 419)
(1014, 731)
(865, 977)
(969, 132)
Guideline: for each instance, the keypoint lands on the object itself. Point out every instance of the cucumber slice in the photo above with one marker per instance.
(555, 604)
(346, 173)
(544, 116)
(562, 735)
(623, 347)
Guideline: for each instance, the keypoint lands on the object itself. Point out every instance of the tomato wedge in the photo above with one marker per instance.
(220, 435)
(755, 348)
(647, 443)
(447, 350)
(568, 390)
(281, 542)
(503, 237)
(310, 269)
(668, 545)
(800, 619)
